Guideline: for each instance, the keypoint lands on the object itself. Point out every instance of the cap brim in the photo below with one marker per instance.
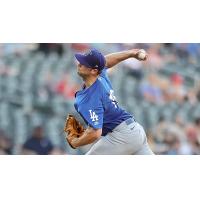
(81, 59)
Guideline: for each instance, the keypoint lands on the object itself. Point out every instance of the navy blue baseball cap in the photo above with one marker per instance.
(92, 59)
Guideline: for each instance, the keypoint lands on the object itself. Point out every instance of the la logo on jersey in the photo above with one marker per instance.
(93, 116)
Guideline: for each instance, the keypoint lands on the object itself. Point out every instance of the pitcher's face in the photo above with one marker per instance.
(84, 71)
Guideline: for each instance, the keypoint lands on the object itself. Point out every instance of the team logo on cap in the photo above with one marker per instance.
(88, 53)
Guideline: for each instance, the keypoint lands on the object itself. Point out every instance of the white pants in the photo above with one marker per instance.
(125, 139)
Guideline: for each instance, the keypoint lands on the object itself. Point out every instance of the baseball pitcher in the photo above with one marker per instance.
(112, 130)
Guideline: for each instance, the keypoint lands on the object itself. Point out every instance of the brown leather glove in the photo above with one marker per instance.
(73, 128)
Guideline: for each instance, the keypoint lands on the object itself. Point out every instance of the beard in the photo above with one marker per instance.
(83, 76)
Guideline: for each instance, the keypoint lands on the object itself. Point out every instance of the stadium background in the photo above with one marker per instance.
(38, 82)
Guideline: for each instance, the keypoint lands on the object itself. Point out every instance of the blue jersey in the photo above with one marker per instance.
(98, 107)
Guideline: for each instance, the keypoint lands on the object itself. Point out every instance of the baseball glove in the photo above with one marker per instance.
(73, 128)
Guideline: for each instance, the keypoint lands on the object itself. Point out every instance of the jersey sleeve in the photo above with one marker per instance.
(92, 112)
(104, 73)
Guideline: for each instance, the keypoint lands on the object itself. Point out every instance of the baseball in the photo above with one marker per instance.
(142, 54)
